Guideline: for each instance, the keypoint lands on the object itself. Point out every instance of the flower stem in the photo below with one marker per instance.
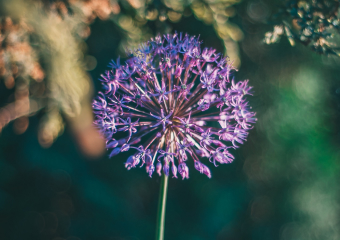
(161, 208)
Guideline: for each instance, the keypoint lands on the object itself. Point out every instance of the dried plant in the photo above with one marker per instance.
(62, 86)
(19, 68)
(314, 23)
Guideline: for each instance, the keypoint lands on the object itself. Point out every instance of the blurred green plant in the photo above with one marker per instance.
(297, 160)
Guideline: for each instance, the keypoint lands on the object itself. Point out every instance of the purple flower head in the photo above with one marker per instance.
(162, 102)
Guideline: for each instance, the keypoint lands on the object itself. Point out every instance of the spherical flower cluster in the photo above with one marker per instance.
(160, 102)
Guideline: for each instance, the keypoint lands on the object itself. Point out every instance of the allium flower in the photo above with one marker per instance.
(160, 102)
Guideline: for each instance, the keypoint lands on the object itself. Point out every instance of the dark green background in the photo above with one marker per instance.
(283, 184)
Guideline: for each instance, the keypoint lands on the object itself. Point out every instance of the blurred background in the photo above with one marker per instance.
(56, 181)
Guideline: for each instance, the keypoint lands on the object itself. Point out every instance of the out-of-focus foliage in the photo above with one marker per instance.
(134, 17)
(39, 38)
(43, 60)
(18, 58)
(312, 23)
(212, 12)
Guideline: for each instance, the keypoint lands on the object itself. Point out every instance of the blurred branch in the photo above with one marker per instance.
(65, 87)
(18, 109)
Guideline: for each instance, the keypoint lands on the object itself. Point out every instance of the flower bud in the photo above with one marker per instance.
(125, 147)
(159, 168)
(132, 162)
(112, 144)
(174, 170)
(114, 152)
(150, 169)
(166, 168)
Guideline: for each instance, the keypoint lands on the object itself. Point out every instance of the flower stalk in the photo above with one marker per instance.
(161, 208)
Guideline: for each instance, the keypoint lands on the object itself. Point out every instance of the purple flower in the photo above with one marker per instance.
(221, 155)
(164, 120)
(209, 55)
(162, 101)
(183, 170)
(208, 79)
(128, 126)
(161, 93)
(186, 123)
(202, 168)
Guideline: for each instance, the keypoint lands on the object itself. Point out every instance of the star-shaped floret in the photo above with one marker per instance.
(164, 120)
(186, 123)
(130, 126)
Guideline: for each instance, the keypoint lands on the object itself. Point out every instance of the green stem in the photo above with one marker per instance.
(161, 208)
